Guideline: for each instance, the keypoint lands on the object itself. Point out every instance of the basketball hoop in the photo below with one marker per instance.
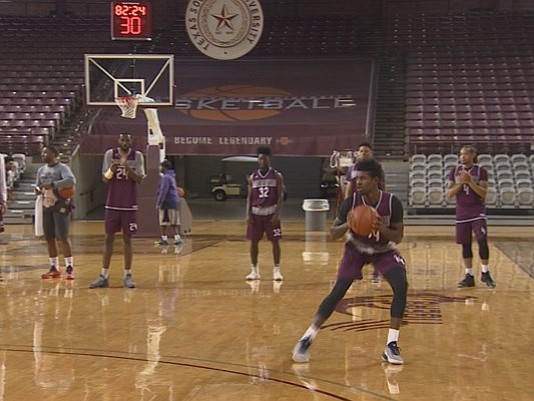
(128, 105)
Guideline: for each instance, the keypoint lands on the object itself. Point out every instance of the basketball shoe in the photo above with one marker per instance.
(128, 281)
(70, 273)
(392, 354)
(254, 274)
(468, 281)
(277, 276)
(486, 278)
(52, 273)
(301, 352)
(100, 282)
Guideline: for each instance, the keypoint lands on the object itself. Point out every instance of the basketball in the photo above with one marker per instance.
(67, 192)
(362, 219)
(181, 192)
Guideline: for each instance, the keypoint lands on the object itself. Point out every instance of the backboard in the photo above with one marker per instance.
(108, 76)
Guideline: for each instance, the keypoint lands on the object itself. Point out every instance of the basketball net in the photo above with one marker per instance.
(128, 105)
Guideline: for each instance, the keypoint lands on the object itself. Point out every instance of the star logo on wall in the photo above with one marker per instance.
(224, 18)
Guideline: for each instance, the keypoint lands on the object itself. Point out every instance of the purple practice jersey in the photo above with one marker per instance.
(264, 188)
(122, 190)
(390, 210)
(469, 206)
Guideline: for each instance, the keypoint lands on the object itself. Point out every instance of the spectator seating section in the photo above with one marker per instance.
(510, 180)
(470, 78)
(41, 75)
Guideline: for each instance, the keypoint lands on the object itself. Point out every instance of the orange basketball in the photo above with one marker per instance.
(362, 219)
(66, 192)
(181, 192)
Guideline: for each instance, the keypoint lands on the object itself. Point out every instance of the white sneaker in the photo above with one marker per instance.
(392, 354)
(277, 276)
(254, 275)
(301, 352)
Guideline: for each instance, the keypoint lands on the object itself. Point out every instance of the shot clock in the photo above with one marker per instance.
(131, 20)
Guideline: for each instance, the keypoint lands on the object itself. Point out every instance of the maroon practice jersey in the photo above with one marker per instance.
(122, 190)
(469, 205)
(390, 210)
(264, 188)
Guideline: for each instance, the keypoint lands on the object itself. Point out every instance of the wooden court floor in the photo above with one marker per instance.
(195, 330)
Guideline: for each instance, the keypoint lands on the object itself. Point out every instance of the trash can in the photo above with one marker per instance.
(316, 211)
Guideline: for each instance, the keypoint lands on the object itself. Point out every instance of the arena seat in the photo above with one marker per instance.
(477, 80)
(525, 197)
(417, 197)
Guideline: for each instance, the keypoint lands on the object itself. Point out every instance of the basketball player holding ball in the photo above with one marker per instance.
(378, 248)
(51, 177)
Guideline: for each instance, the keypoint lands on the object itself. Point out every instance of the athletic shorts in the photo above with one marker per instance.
(120, 220)
(263, 224)
(464, 231)
(352, 262)
(169, 217)
(55, 225)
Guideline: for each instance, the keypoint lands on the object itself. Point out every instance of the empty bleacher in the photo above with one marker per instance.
(41, 76)
(470, 78)
(510, 180)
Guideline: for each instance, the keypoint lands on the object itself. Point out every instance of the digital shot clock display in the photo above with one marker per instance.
(131, 20)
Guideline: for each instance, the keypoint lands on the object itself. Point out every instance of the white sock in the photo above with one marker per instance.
(485, 268)
(255, 269)
(393, 335)
(311, 332)
(105, 273)
(276, 269)
(69, 261)
(127, 272)
(469, 271)
(54, 262)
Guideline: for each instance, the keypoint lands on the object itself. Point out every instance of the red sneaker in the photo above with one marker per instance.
(52, 273)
